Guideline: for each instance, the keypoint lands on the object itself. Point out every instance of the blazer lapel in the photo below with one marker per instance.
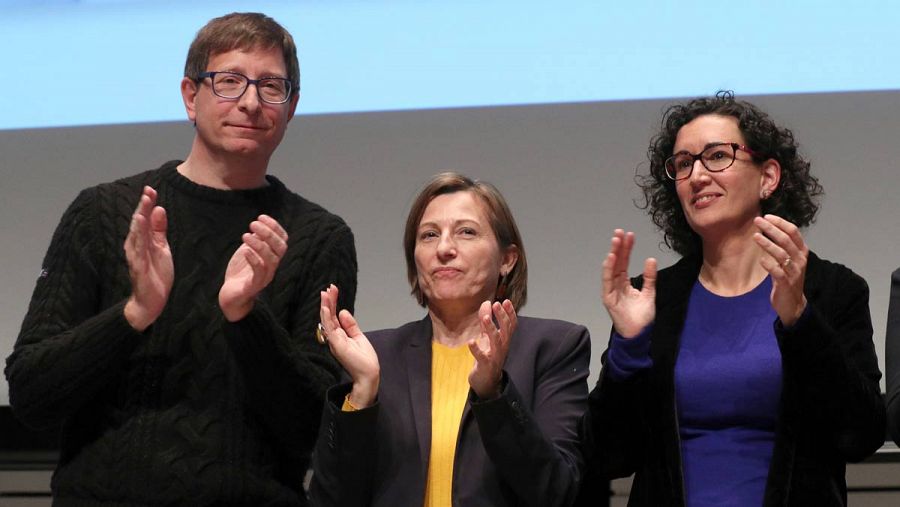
(418, 369)
(464, 424)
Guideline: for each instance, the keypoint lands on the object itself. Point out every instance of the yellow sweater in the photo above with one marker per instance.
(450, 368)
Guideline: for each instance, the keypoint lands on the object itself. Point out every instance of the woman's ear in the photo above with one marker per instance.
(770, 177)
(508, 262)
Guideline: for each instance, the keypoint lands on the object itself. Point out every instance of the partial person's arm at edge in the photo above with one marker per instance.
(537, 454)
(892, 359)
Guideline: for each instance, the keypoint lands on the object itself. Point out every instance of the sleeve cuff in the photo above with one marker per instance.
(504, 384)
(628, 356)
(493, 415)
(804, 317)
(336, 398)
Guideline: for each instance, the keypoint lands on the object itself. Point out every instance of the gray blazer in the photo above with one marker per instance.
(521, 449)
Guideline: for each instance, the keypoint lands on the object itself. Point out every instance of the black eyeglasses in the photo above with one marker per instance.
(232, 85)
(715, 158)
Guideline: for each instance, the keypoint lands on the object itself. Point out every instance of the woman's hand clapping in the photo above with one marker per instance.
(491, 347)
(784, 257)
(351, 348)
(631, 310)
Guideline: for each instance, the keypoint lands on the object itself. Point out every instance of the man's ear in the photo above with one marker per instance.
(292, 106)
(189, 89)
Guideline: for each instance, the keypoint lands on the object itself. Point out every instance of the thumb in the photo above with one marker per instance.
(485, 310)
(348, 322)
(649, 287)
(159, 223)
(476, 352)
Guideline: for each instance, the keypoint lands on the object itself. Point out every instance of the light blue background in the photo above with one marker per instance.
(120, 61)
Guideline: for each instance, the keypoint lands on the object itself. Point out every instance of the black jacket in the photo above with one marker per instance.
(521, 449)
(892, 358)
(831, 407)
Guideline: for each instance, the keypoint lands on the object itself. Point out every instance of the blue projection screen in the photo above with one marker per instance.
(119, 61)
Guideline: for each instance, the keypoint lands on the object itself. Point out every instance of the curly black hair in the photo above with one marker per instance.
(795, 199)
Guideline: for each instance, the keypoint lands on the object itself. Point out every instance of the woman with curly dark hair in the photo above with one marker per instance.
(745, 374)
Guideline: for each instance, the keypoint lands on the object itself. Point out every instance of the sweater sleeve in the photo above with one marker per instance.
(892, 359)
(286, 370)
(536, 453)
(626, 357)
(68, 347)
(830, 356)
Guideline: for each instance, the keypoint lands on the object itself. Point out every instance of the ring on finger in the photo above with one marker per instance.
(786, 263)
(321, 336)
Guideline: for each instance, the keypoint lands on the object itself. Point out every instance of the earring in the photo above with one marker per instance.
(764, 195)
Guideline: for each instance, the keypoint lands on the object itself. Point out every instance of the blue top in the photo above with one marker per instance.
(728, 388)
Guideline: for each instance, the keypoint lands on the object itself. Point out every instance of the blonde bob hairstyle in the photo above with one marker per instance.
(515, 285)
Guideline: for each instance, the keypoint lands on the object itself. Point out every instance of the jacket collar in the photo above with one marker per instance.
(417, 354)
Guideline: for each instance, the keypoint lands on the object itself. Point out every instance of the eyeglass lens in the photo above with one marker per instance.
(231, 86)
(715, 158)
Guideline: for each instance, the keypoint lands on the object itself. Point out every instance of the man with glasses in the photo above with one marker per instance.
(175, 343)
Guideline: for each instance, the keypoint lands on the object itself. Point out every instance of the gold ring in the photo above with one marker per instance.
(786, 262)
(321, 337)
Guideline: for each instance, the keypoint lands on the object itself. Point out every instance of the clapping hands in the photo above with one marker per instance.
(491, 347)
(631, 310)
(252, 267)
(351, 348)
(149, 262)
(784, 257)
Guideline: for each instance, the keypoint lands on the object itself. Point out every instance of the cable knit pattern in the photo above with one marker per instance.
(195, 410)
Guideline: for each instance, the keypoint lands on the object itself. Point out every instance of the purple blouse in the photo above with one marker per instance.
(727, 388)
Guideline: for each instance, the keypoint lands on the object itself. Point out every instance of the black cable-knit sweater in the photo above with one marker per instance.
(195, 410)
